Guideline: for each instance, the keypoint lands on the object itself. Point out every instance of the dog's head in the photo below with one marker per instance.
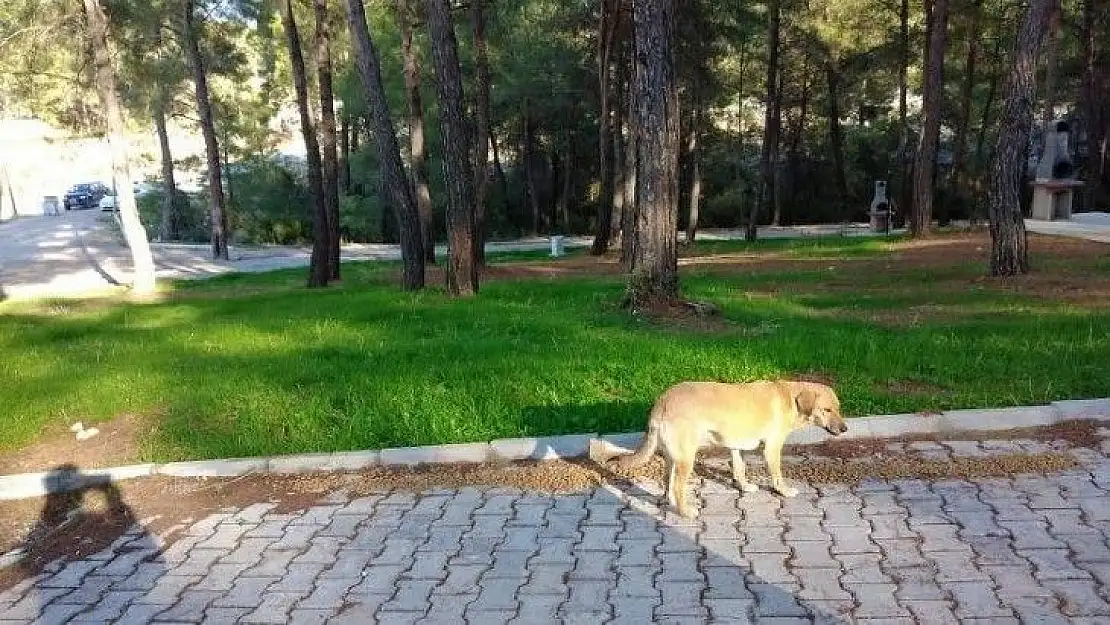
(818, 405)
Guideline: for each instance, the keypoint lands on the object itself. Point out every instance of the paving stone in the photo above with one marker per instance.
(1051, 564)
(328, 594)
(931, 612)
(72, 574)
(812, 555)
(191, 607)
(1031, 535)
(680, 599)
(917, 584)
(498, 594)
(976, 600)
(771, 568)
(1039, 610)
(936, 537)
(862, 568)
(777, 600)
(167, 589)
(412, 596)
(274, 608)
(1079, 598)
(246, 592)
(875, 601)
(956, 566)
(90, 591)
(59, 613)
(140, 614)
(821, 585)
(108, 609)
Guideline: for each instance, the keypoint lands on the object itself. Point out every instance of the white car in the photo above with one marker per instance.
(108, 202)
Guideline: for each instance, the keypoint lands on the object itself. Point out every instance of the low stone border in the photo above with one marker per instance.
(547, 448)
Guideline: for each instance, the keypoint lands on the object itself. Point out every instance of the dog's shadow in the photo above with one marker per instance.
(728, 559)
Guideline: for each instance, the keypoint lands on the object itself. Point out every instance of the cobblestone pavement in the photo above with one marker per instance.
(1029, 548)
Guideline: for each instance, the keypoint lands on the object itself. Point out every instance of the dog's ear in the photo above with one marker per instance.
(806, 401)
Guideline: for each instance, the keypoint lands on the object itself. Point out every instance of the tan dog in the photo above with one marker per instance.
(692, 415)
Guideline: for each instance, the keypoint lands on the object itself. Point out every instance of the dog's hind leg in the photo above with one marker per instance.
(680, 476)
(668, 478)
(739, 473)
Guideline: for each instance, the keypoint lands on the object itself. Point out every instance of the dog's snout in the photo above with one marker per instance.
(843, 428)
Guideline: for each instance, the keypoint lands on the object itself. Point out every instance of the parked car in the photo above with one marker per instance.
(85, 195)
(108, 202)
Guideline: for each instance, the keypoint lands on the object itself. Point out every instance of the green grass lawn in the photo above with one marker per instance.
(255, 364)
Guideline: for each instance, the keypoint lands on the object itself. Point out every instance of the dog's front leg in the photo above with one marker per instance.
(739, 473)
(772, 453)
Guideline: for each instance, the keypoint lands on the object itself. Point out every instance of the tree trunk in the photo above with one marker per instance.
(836, 135)
(605, 34)
(501, 178)
(458, 170)
(328, 141)
(1051, 50)
(905, 189)
(694, 153)
(567, 195)
(217, 209)
(1095, 81)
(143, 284)
(924, 166)
(768, 161)
(170, 219)
(631, 214)
(527, 157)
(389, 154)
(229, 190)
(417, 150)
(963, 122)
(319, 272)
(654, 277)
(345, 154)
(1009, 244)
(617, 158)
(796, 143)
(988, 104)
(481, 129)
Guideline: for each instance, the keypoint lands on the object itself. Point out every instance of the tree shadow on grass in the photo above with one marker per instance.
(351, 370)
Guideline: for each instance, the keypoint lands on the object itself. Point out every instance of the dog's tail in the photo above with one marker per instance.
(646, 450)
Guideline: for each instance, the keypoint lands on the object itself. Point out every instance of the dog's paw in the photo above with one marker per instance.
(747, 487)
(786, 491)
(688, 513)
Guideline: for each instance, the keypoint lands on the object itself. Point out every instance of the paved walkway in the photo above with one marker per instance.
(1094, 226)
(1031, 548)
(78, 252)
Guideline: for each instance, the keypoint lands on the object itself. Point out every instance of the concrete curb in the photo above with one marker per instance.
(26, 485)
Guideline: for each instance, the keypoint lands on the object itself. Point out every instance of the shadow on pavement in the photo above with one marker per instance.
(85, 542)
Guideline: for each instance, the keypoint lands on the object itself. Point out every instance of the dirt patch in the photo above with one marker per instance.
(910, 387)
(1079, 433)
(117, 443)
(1061, 272)
(685, 315)
(820, 377)
(568, 267)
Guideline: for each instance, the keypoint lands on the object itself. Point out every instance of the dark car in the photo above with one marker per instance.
(85, 195)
